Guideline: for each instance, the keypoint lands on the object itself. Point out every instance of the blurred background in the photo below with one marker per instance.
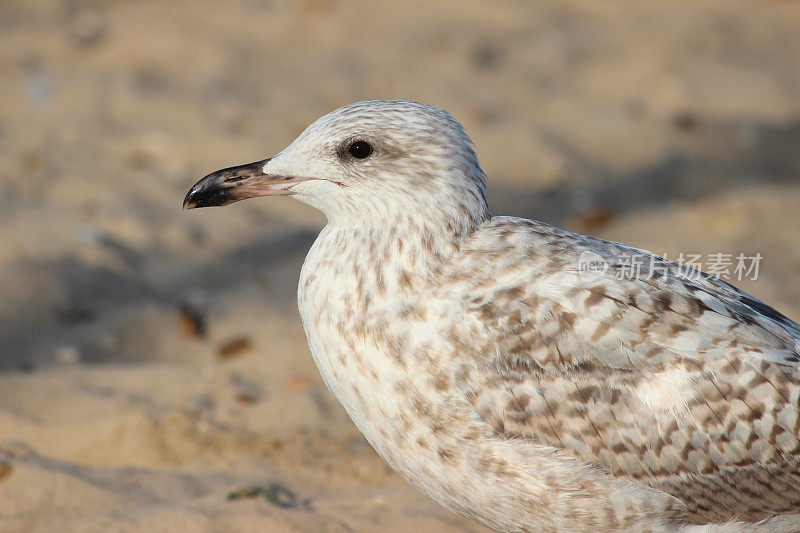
(153, 370)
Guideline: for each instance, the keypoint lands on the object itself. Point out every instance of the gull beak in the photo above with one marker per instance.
(232, 184)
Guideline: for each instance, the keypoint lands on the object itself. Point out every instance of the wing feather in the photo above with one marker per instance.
(674, 378)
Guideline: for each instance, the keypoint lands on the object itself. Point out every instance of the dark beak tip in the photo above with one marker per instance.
(188, 202)
(218, 188)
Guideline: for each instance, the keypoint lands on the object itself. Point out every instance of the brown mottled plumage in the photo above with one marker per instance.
(515, 388)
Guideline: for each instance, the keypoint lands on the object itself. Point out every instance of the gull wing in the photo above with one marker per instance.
(671, 378)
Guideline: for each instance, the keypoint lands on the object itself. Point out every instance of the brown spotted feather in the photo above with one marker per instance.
(688, 385)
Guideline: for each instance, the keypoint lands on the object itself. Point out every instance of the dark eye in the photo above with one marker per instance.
(360, 149)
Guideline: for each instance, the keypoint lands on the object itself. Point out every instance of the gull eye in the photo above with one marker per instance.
(360, 149)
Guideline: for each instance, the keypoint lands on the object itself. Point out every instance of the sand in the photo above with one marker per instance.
(153, 371)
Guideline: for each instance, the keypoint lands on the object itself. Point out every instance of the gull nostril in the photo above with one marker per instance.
(234, 178)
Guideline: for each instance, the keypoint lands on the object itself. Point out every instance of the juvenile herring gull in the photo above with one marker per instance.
(492, 371)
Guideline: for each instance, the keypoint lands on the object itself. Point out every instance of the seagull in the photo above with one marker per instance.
(491, 368)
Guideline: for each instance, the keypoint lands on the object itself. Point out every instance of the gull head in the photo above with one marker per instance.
(365, 162)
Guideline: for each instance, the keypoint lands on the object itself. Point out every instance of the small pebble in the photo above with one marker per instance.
(234, 348)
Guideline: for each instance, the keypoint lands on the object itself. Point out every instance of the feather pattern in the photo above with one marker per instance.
(681, 382)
